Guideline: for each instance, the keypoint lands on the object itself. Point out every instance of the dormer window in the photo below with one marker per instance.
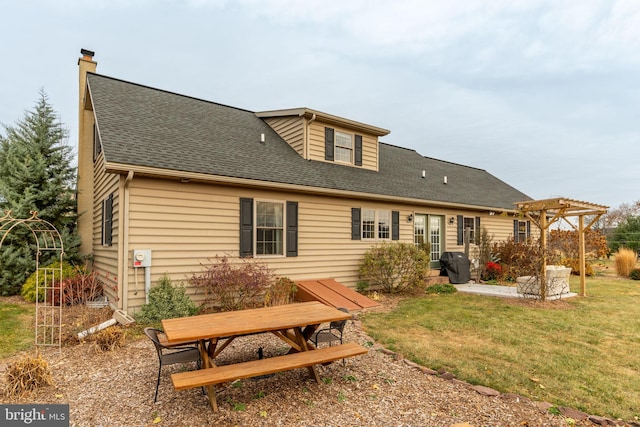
(342, 147)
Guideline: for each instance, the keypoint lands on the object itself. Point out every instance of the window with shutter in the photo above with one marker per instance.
(371, 224)
(268, 228)
(107, 221)
(342, 147)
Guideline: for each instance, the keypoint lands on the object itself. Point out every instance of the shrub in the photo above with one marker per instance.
(29, 287)
(229, 287)
(634, 274)
(281, 292)
(625, 260)
(82, 287)
(394, 266)
(26, 375)
(492, 271)
(444, 288)
(518, 258)
(165, 302)
(574, 263)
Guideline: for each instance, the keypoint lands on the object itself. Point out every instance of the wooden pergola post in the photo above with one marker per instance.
(538, 212)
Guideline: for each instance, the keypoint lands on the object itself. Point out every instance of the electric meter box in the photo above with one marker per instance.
(141, 258)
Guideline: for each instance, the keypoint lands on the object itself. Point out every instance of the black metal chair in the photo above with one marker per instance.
(168, 355)
(333, 333)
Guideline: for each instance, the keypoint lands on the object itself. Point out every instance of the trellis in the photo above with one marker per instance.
(48, 325)
(544, 213)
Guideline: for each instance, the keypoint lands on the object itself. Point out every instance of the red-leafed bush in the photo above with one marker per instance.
(492, 271)
(236, 285)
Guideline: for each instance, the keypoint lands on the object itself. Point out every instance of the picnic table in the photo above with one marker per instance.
(292, 323)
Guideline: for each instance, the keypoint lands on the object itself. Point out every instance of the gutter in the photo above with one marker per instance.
(124, 257)
(245, 182)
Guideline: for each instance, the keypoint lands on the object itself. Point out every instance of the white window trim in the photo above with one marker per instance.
(255, 228)
(376, 225)
(336, 147)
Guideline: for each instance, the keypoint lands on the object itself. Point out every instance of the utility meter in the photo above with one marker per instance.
(142, 258)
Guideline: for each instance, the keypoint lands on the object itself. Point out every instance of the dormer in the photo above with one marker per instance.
(323, 137)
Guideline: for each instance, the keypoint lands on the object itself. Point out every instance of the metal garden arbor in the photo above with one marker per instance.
(48, 280)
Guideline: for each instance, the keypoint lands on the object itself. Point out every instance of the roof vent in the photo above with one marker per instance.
(262, 138)
(445, 179)
(424, 173)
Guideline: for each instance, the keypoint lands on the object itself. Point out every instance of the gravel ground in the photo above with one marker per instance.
(377, 389)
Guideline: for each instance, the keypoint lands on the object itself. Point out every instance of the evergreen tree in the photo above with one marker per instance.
(627, 235)
(36, 174)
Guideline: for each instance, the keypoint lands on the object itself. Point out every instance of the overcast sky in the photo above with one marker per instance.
(544, 95)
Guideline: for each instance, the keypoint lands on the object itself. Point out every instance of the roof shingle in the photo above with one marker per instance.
(148, 127)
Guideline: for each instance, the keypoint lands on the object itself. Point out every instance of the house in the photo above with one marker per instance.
(167, 182)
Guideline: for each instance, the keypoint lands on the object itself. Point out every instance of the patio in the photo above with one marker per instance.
(502, 291)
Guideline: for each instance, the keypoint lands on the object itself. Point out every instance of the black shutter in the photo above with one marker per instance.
(103, 230)
(108, 221)
(515, 230)
(395, 225)
(476, 234)
(460, 226)
(246, 227)
(528, 229)
(292, 229)
(358, 151)
(328, 144)
(355, 224)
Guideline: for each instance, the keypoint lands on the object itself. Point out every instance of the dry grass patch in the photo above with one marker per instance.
(625, 261)
(26, 375)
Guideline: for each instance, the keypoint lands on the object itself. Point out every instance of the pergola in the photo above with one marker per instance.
(544, 213)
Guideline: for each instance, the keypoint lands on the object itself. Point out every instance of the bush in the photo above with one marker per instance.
(625, 260)
(394, 266)
(82, 287)
(26, 375)
(635, 274)
(230, 287)
(517, 258)
(492, 271)
(165, 302)
(29, 287)
(281, 292)
(574, 263)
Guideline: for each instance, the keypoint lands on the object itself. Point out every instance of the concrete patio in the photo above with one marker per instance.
(502, 291)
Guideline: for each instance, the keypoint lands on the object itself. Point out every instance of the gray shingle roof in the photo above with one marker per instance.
(148, 127)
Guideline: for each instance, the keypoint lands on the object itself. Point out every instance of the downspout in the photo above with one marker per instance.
(306, 139)
(124, 273)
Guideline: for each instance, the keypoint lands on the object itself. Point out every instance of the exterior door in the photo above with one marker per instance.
(429, 228)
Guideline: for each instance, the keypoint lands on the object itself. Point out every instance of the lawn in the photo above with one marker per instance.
(16, 324)
(579, 352)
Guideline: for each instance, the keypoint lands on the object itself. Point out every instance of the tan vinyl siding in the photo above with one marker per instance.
(106, 257)
(186, 225)
(291, 129)
(316, 145)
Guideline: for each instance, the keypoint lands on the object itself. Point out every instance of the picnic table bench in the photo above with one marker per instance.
(271, 365)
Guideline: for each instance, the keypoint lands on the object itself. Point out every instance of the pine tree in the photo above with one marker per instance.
(36, 174)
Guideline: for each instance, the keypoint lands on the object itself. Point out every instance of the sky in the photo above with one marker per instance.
(544, 95)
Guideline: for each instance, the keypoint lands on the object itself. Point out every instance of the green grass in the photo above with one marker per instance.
(16, 324)
(580, 352)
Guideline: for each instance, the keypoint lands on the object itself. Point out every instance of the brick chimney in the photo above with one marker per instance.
(86, 64)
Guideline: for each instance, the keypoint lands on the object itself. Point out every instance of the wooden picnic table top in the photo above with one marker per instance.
(250, 321)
